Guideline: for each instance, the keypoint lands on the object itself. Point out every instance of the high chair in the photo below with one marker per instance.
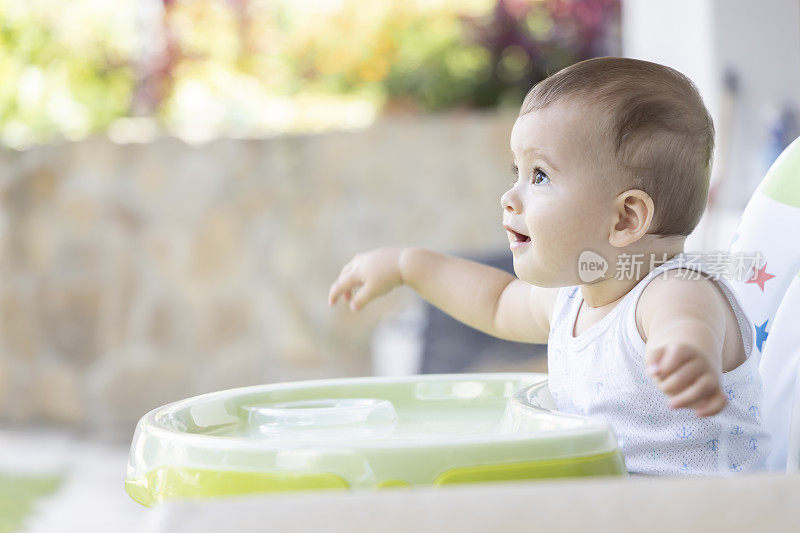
(770, 295)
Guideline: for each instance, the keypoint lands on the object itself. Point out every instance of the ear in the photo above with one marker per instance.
(633, 214)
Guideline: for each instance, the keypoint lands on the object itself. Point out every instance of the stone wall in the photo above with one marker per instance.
(135, 275)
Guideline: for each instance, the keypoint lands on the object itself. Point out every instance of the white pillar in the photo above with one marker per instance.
(758, 40)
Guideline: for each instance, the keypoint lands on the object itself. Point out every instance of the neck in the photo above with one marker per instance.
(638, 262)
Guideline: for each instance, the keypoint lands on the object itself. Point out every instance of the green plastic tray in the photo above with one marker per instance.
(364, 433)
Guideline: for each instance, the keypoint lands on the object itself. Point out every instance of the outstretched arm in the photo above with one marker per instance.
(485, 298)
(683, 321)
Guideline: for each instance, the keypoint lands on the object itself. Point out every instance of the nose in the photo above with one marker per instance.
(510, 202)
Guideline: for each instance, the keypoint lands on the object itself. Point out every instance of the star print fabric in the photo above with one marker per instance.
(770, 294)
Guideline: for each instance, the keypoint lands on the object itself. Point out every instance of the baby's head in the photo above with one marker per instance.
(614, 156)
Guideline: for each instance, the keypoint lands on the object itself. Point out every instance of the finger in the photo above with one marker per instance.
(709, 406)
(683, 376)
(653, 358)
(713, 407)
(343, 286)
(337, 288)
(363, 297)
(705, 386)
(333, 294)
(697, 404)
(715, 403)
(673, 357)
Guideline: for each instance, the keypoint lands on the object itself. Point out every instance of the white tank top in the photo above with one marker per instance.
(602, 373)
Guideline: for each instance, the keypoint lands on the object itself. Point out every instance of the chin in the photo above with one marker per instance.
(530, 275)
(539, 276)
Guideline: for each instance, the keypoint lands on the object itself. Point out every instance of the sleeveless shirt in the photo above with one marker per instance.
(602, 373)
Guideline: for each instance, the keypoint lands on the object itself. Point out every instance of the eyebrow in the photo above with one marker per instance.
(538, 153)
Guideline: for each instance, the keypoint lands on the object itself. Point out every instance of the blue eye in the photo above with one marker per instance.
(537, 174)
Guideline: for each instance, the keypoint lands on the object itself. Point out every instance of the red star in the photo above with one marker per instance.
(760, 276)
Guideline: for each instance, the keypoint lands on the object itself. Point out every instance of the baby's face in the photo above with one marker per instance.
(562, 199)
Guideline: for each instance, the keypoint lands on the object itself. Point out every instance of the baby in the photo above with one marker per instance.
(612, 159)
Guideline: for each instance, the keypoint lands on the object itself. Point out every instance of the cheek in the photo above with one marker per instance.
(561, 232)
(552, 239)
(556, 227)
(587, 216)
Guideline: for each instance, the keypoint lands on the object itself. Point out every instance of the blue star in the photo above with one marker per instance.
(761, 334)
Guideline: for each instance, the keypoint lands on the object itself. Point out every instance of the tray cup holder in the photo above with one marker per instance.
(321, 414)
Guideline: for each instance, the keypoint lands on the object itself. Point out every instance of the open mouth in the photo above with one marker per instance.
(517, 236)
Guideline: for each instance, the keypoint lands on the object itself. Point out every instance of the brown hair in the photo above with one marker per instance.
(661, 133)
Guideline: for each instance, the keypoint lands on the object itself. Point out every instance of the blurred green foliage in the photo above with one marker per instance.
(58, 79)
(249, 67)
(18, 495)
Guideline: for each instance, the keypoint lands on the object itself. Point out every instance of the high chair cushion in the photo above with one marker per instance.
(770, 290)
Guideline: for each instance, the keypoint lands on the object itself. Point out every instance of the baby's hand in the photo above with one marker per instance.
(688, 377)
(376, 272)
